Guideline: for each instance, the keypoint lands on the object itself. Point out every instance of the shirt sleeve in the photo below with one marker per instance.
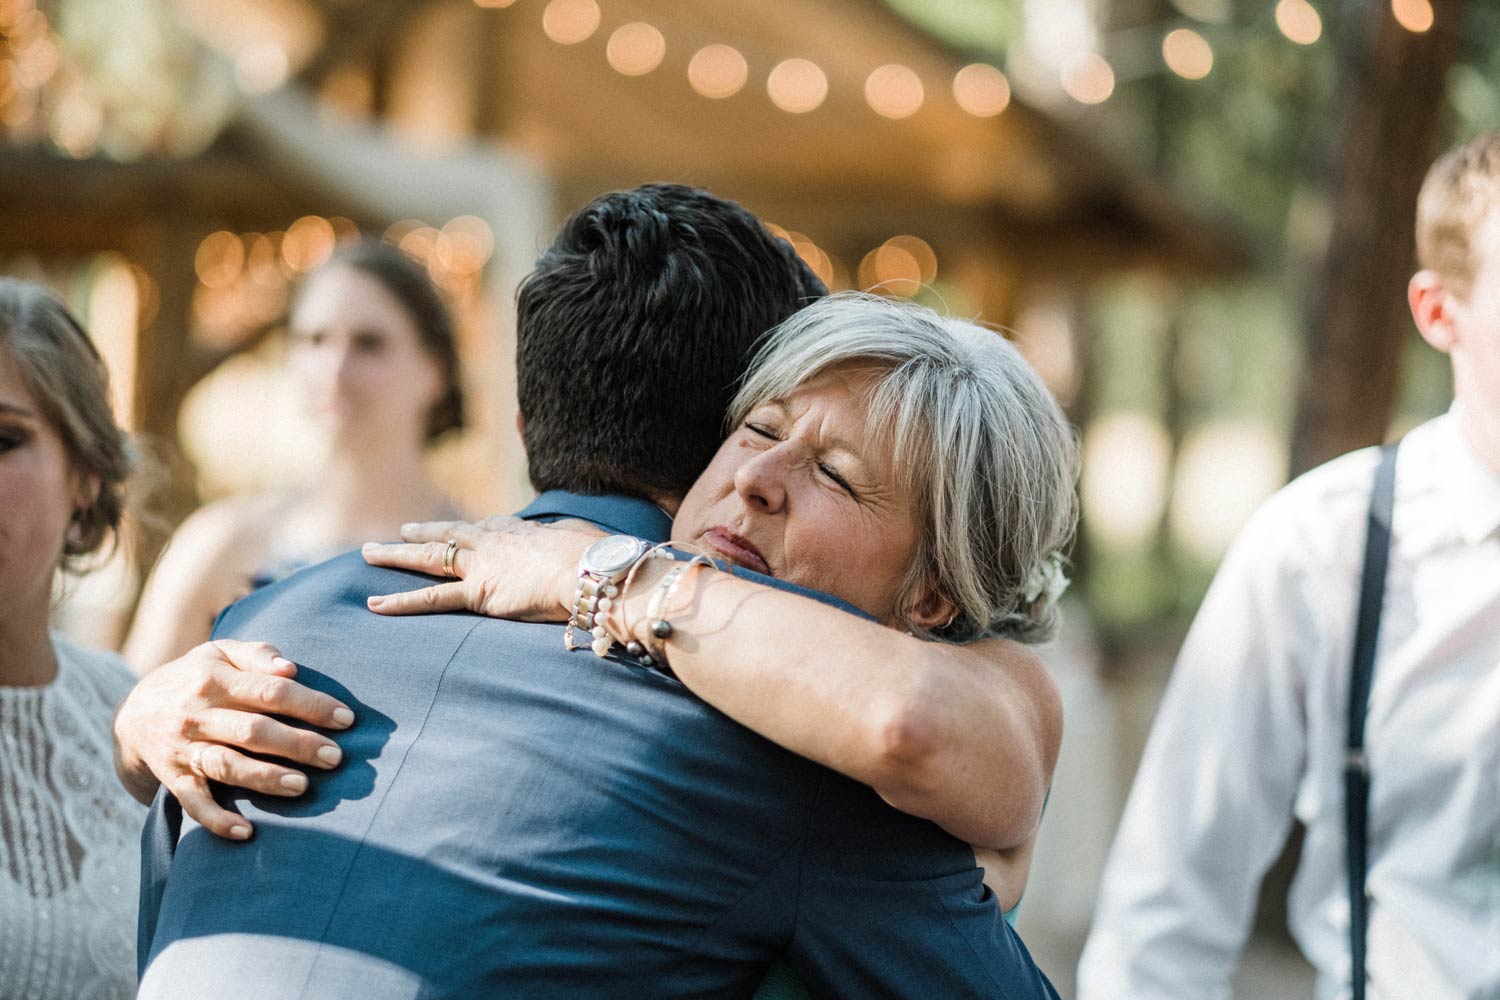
(1212, 801)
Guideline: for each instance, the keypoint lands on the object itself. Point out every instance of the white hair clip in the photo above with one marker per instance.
(1046, 579)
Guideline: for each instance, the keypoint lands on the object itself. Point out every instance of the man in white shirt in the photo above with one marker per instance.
(1251, 731)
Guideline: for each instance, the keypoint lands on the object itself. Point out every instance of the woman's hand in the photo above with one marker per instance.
(186, 723)
(503, 567)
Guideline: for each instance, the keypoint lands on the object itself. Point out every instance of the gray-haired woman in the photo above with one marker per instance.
(912, 466)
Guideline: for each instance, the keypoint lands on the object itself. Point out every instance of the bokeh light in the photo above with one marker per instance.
(894, 91)
(797, 86)
(1415, 16)
(219, 259)
(981, 90)
(308, 242)
(890, 270)
(1299, 21)
(1126, 457)
(635, 49)
(921, 252)
(493, 3)
(568, 22)
(1187, 54)
(1088, 79)
(464, 245)
(261, 67)
(718, 71)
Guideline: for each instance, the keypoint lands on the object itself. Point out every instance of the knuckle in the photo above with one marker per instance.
(269, 692)
(183, 785)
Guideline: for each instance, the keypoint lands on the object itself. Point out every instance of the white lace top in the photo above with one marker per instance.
(69, 836)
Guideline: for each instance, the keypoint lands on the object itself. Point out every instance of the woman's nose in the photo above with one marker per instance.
(761, 482)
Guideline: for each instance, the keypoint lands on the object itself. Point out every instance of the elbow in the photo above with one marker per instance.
(906, 739)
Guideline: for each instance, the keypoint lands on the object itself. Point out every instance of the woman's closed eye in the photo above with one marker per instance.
(762, 430)
(833, 474)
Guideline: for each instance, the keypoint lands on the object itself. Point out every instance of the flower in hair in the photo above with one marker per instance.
(1046, 579)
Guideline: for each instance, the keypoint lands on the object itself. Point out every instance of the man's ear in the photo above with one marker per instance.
(520, 425)
(1432, 309)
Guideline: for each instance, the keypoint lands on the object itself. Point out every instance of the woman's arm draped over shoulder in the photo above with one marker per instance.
(966, 736)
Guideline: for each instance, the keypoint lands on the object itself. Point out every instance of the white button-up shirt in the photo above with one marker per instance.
(1251, 732)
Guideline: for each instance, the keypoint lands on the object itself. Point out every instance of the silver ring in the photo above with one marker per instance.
(448, 555)
(195, 760)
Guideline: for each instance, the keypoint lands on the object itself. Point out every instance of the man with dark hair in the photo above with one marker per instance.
(514, 821)
(651, 300)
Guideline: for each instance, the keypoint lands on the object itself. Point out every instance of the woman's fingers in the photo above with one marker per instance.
(256, 657)
(429, 600)
(432, 531)
(191, 791)
(421, 557)
(230, 767)
(278, 694)
(264, 735)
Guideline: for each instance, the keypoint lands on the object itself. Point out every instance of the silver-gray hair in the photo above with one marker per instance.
(975, 439)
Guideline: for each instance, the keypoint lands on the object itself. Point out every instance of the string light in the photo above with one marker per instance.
(797, 86)
(981, 90)
(1088, 78)
(718, 71)
(308, 242)
(568, 22)
(894, 91)
(1187, 54)
(1414, 15)
(1298, 20)
(921, 252)
(635, 49)
(891, 270)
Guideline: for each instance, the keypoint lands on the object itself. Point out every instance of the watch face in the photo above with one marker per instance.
(612, 554)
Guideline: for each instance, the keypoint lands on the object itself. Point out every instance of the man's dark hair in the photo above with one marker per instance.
(634, 331)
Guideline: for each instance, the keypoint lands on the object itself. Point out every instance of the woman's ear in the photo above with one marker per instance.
(932, 611)
(1432, 309)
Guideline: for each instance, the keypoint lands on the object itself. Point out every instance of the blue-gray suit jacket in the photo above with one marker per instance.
(513, 820)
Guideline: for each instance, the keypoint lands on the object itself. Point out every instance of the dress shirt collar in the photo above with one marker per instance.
(612, 512)
(1475, 492)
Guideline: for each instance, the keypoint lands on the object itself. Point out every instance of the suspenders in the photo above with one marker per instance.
(1356, 769)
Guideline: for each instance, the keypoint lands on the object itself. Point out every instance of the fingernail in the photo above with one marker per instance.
(282, 663)
(294, 782)
(410, 526)
(375, 601)
(343, 717)
(240, 832)
(368, 546)
(330, 755)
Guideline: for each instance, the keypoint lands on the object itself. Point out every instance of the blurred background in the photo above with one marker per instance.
(1195, 216)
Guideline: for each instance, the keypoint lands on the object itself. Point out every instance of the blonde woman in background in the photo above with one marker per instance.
(372, 350)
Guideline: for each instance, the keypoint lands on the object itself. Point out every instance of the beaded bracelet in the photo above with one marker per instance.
(659, 626)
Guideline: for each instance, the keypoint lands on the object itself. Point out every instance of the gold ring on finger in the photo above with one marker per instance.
(448, 556)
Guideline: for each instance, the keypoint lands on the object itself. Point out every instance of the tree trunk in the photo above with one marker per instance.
(1392, 84)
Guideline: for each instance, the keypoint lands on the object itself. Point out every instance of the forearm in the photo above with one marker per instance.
(938, 730)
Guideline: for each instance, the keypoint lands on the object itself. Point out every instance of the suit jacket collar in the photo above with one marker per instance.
(612, 512)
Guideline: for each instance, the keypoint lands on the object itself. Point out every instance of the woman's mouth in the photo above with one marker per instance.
(736, 548)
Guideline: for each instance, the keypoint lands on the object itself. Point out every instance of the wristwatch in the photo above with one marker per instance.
(603, 566)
